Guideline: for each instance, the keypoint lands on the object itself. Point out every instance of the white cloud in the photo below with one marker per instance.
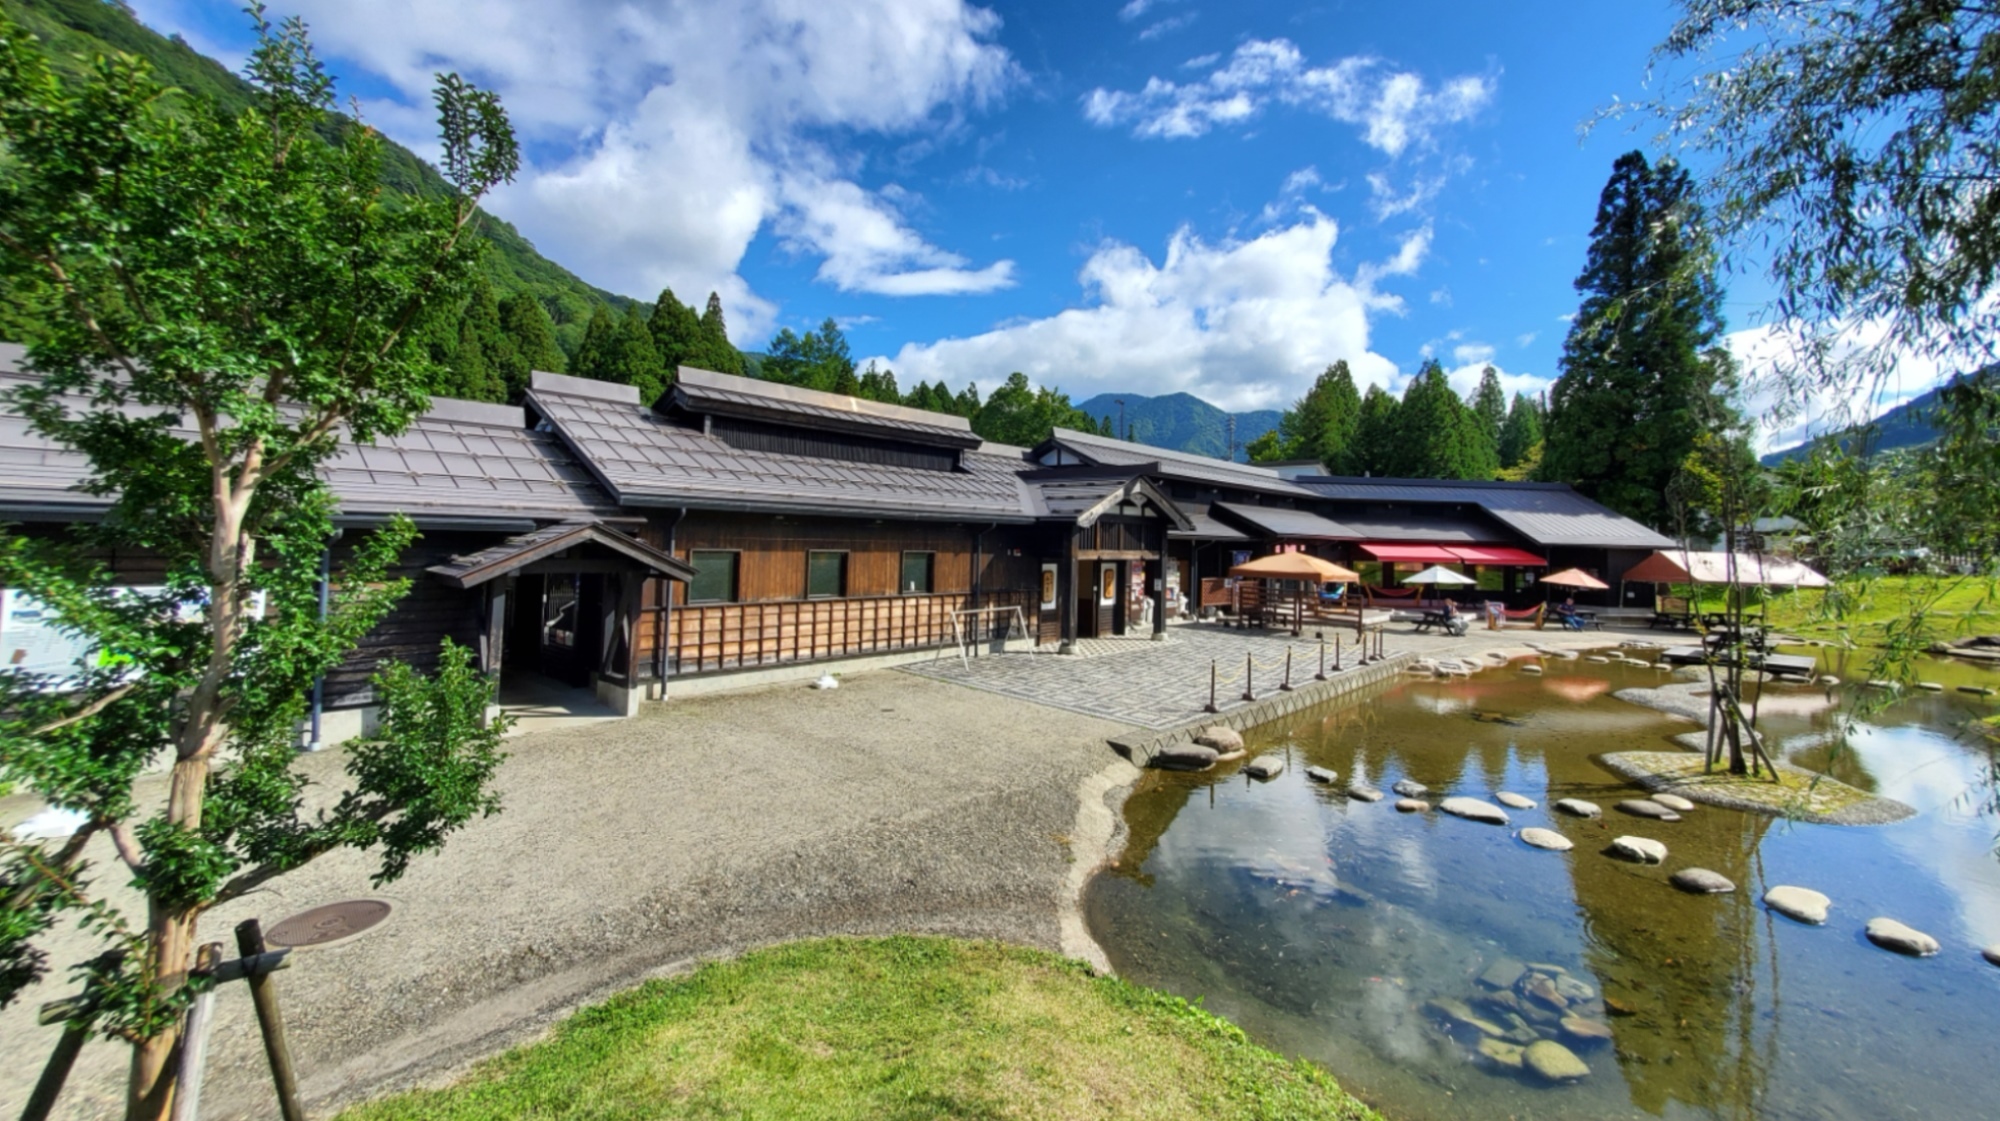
(1244, 324)
(1396, 109)
(666, 136)
(1786, 418)
(1134, 9)
(1199, 61)
(1167, 26)
(1526, 339)
(1465, 379)
(1386, 203)
(1476, 354)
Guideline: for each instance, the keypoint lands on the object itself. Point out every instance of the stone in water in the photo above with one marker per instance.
(1321, 774)
(1472, 809)
(1411, 805)
(1646, 807)
(1410, 788)
(1221, 737)
(1264, 766)
(1582, 1029)
(1892, 935)
(1577, 807)
(1532, 668)
(1514, 801)
(1363, 793)
(1554, 1062)
(1546, 839)
(1185, 757)
(1641, 850)
(1701, 881)
(1800, 903)
(1674, 802)
(1506, 1054)
(1502, 974)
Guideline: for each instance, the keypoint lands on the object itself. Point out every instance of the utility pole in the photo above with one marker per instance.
(1124, 433)
(1231, 457)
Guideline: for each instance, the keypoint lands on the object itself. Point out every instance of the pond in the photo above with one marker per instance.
(1325, 926)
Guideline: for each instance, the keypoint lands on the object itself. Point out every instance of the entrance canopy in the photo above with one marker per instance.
(551, 545)
(1452, 554)
(1686, 566)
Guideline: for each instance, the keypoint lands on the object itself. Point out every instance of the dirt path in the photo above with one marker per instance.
(631, 848)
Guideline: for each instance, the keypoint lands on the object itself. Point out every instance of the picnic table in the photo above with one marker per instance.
(1438, 620)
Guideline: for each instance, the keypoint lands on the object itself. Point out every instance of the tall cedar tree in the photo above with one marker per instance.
(1019, 414)
(880, 385)
(1635, 384)
(1321, 425)
(593, 357)
(816, 360)
(712, 349)
(237, 302)
(1377, 436)
(1489, 405)
(1440, 435)
(1522, 430)
(474, 370)
(533, 337)
(675, 331)
(636, 361)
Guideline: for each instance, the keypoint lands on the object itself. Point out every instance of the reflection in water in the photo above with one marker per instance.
(1324, 926)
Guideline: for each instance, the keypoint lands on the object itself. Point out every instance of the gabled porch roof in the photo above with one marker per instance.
(516, 553)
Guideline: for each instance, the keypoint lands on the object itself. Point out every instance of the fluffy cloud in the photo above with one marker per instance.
(1788, 415)
(663, 137)
(1244, 324)
(1395, 109)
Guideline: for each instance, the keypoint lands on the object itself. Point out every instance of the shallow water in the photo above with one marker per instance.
(1322, 926)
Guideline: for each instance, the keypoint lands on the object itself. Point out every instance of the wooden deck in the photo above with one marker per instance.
(1780, 665)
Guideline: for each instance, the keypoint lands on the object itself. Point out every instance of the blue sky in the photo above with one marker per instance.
(1133, 195)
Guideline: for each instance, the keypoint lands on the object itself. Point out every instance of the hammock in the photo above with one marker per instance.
(1393, 593)
(1523, 613)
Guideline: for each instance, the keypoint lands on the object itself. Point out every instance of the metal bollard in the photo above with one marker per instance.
(1321, 675)
(1211, 689)
(1287, 686)
(1249, 679)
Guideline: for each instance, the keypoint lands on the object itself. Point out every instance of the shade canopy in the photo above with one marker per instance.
(1685, 566)
(1296, 566)
(1452, 554)
(1438, 574)
(1576, 578)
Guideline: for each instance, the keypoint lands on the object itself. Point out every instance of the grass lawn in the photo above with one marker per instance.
(882, 1029)
(1968, 605)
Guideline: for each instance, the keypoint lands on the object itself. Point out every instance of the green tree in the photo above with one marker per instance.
(635, 360)
(1378, 436)
(1636, 382)
(1440, 437)
(880, 385)
(1489, 405)
(1521, 432)
(483, 351)
(675, 331)
(532, 343)
(237, 299)
(1267, 448)
(1020, 414)
(712, 349)
(595, 354)
(815, 360)
(1321, 425)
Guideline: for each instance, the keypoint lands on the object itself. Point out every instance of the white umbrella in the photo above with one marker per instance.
(1439, 574)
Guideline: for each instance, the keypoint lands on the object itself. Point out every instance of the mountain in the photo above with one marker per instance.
(72, 31)
(1182, 422)
(1905, 426)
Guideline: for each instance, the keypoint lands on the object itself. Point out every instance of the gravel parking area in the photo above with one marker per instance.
(628, 848)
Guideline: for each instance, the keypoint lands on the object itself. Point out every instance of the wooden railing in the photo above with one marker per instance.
(704, 638)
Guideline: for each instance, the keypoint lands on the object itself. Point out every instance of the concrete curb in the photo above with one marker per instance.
(1140, 745)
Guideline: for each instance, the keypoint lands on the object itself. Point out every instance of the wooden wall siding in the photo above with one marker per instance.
(771, 565)
(705, 638)
(429, 613)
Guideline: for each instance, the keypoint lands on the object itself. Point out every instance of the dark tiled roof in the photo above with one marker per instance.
(472, 569)
(1171, 464)
(1544, 513)
(646, 459)
(704, 391)
(1272, 521)
(460, 460)
(1082, 499)
(1444, 529)
(1206, 528)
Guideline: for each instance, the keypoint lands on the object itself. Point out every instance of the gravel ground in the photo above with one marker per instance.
(627, 849)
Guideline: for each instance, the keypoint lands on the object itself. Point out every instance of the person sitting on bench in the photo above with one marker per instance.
(1454, 622)
(1566, 611)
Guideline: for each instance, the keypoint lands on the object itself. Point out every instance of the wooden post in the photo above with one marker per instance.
(194, 1039)
(76, 1014)
(1336, 653)
(1249, 670)
(1286, 687)
(1321, 675)
(1211, 688)
(264, 994)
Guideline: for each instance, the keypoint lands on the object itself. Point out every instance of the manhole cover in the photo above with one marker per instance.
(326, 924)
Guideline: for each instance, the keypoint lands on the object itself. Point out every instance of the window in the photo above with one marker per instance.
(714, 578)
(826, 575)
(917, 572)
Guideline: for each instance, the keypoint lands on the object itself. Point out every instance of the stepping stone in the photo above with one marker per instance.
(1321, 774)
(1566, 655)
(1930, 686)
(1472, 809)
(1184, 757)
(1598, 661)
(1582, 1029)
(1673, 802)
(1546, 839)
(1514, 801)
(1800, 903)
(1230, 756)
(1878, 683)
(1639, 850)
(1412, 805)
(1221, 737)
(1577, 807)
(1892, 935)
(1977, 690)
(1701, 881)
(1554, 1062)
(1265, 766)
(1409, 788)
(1646, 807)
(1502, 974)
(1362, 793)
(1991, 954)
(1532, 668)
(1828, 680)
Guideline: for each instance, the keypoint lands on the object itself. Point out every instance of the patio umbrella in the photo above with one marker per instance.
(1297, 566)
(1437, 575)
(1574, 578)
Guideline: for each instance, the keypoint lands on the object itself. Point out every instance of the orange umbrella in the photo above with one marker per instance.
(1576, 578)
(1297, 566)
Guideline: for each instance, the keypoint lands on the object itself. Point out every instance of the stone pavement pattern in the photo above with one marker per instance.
(1165, 684)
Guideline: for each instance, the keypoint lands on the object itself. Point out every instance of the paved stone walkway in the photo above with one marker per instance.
(1163, 684)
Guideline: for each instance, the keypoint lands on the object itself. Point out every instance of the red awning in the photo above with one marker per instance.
(1414, 554)
(1498, 554)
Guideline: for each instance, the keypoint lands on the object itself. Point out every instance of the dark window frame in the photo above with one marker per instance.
(735, 574)
(930, 573)
(841, 592)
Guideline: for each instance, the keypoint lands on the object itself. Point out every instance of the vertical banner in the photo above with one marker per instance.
(1107, 584)
(1048, 587)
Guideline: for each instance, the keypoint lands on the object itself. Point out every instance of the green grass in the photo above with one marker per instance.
(1963, 605)
(885, 1029)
